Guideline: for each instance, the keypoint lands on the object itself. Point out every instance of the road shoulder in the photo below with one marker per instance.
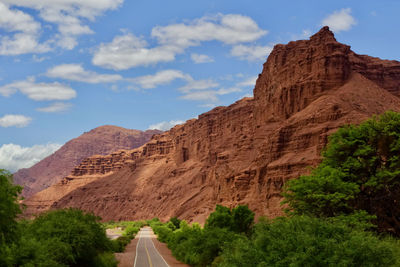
(167, 254)
(127, 258)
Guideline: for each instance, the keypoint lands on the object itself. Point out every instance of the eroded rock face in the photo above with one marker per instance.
(243, 153)
(101, 140)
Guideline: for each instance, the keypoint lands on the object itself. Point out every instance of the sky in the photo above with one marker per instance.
(68, 66)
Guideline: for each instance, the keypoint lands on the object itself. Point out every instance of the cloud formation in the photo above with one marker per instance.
(340, 20)
(160, 78)
(127, 51)
(23, 32)
(251, 53)
(165, 125)
(12, 120)
(39, 91)
(14, 157)
(251, 81)
(55, 107)
(198, 58)
(75, 72)
(70, 17)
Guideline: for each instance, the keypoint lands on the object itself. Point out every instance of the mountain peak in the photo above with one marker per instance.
(323, 35)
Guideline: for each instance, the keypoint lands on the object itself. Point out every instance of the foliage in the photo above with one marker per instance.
(130, 229)
(360, 170)
(62, 238)
(199, 247)
(239, 220)
(308, 241)
(9, 207)
(176, 222)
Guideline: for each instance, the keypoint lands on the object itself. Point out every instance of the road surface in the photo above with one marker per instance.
(146, 253)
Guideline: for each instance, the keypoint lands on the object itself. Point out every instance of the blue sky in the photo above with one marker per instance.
(68, 66)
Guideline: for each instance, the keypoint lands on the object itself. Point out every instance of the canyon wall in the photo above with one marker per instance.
(243, 153)
(101, 140)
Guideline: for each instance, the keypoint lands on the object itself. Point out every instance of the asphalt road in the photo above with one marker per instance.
(146, 253)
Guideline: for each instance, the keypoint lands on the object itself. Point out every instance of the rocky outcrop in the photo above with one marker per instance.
(243, 153)
(101, 140)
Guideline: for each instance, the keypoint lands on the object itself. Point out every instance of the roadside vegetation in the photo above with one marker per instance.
(129, 230)
(67, 237)
(345, 213)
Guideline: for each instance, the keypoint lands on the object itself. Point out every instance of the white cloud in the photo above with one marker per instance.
(251, 53)
(198, 85)
(225, 91)
(55, 107)
(39, 91)
(339, 20)
(209, 96)
(11, 120)
(70, 16)
(24, 33)
(251, 81)
(228, 29)
(14, 157)
(165, 125)
(160, 78)
(127, 51)
(76, 72)
(198, 58)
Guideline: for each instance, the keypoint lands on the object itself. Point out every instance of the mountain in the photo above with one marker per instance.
(101, 140)
(243, 153)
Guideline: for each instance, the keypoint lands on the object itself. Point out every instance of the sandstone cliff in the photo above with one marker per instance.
(243, 153)
(101, 140)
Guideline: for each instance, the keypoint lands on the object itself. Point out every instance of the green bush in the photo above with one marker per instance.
(119, 244)
(131, 231)
(360, 170)
(239, 220)
(163, 232)
(176, 222)
(307, 241)
(67, 237)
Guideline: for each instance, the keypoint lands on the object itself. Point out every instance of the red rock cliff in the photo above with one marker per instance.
(243, 153)
(101, 140)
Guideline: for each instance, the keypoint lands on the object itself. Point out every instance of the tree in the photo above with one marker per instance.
(9, 207)
(69, 237)
(309, 241)
(360, 170)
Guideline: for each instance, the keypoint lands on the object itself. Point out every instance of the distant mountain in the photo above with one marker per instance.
(243, 153)
(102, 140)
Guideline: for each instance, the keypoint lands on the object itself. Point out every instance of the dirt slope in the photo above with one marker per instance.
(101, 140)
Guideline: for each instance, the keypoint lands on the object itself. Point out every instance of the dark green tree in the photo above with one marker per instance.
(309, 241)
(9, 207)
(68, 237)
(176, 222)
(243, 219)
(220, 218)
(360, 170)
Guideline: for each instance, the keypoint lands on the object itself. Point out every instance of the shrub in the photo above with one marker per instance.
(360, 170)
(307, 241)
(69, 237)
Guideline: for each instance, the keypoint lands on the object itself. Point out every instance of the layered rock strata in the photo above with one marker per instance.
(243, 153)
(101, 140)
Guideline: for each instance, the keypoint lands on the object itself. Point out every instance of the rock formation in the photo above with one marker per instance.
(243, 153)
(102, 140)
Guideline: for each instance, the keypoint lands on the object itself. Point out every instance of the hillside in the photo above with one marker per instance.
(243, 153)
(99, 141)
